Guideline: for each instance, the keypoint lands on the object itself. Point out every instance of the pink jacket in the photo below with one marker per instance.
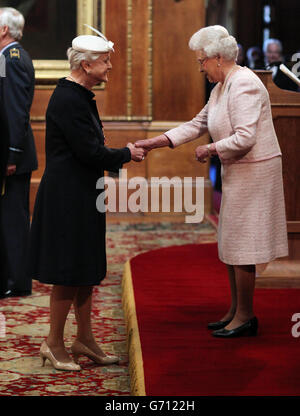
(238, 117)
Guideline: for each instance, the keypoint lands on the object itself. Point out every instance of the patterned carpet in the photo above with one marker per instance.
(27, 321)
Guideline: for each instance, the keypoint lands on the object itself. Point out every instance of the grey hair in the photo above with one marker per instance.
(269, 41)
(215, 40)
(14, 20)
(75, 57)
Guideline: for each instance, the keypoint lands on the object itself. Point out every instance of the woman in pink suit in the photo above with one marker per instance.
(252, 223)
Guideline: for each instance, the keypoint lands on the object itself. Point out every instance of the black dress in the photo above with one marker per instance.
(67, 238)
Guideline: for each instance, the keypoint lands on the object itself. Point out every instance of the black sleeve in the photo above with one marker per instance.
(17, 103)
(77, 126)
(4, 139)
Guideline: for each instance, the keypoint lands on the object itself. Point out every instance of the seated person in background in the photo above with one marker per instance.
(241, 56)
(273, 58)
(255, 58)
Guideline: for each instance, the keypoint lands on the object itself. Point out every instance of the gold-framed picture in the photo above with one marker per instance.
(49, 29)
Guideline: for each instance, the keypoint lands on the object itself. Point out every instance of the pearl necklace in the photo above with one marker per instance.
(235, 67)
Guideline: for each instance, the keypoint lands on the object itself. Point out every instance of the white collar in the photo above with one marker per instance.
(8, 46)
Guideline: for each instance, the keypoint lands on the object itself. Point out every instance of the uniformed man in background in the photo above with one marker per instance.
(18, 90)
(4, 143)
(4, 136)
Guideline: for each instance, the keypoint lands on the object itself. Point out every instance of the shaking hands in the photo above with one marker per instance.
(137, 154)
(140, 148)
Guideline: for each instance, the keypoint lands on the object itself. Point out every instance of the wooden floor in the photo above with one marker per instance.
(280, 273)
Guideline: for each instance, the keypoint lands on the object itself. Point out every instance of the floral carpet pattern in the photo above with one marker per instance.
(27, 320)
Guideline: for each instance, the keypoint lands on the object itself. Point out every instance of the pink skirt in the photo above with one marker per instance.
(252, 223)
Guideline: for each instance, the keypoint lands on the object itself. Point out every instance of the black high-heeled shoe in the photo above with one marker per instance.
(247, 329)
(218, 324)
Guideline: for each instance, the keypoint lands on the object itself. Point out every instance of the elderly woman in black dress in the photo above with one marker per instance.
(67, 244)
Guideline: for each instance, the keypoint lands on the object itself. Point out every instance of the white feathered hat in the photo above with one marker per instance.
(91, 43)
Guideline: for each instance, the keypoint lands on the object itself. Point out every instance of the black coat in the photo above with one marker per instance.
(4, 143)
(67, 242)
(4, 139)
(18, 90)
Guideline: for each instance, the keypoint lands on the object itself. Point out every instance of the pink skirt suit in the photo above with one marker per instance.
(252, 221)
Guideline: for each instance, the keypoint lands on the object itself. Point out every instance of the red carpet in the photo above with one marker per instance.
(177, 291)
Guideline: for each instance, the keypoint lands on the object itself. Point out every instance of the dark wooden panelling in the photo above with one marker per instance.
(286, 116)
(40, 103)
(116, 31)
(285, 23)
(248, 22)
(287, 16)
(287, 129)
(39, 137)
(162, 162)
(140, 57)
(118, 135)
(178, 87)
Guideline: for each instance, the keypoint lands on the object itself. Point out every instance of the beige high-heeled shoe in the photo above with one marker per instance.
(80, 349)
(45, 353)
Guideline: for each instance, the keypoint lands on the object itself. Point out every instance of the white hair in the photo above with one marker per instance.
(269, 42)
(215, 40)
(14, 20)
(75, 57)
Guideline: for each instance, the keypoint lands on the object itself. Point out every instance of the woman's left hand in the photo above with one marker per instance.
(202, 153)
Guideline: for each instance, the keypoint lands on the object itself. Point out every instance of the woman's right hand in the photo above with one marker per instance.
(146, 144)
(153, 143)
(137, 154)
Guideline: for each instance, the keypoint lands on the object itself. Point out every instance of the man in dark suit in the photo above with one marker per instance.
(273, 58)
(18, 90)
(4, 143)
